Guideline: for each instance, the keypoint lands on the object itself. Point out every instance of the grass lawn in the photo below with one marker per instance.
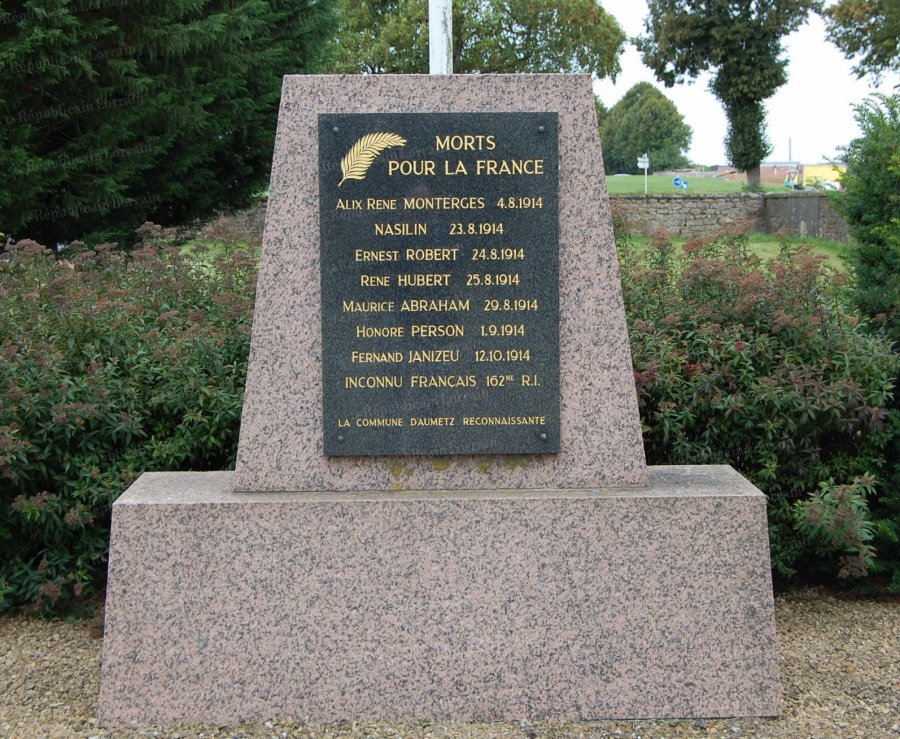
(767, 246)
(633, 184)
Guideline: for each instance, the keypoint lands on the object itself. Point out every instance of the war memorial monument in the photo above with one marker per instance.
(441, 506)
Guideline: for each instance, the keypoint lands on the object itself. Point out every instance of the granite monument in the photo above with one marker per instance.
(441, 506)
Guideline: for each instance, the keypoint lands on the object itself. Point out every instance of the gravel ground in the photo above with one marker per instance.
(840, 668)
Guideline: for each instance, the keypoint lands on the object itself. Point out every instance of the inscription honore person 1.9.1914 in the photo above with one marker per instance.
(440, 290)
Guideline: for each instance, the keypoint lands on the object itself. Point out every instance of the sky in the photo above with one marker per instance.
(808, 119)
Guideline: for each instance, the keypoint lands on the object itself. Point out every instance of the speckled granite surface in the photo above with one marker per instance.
(281, 447)
(466, 604)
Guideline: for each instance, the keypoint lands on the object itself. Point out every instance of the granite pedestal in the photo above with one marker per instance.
(571, 604)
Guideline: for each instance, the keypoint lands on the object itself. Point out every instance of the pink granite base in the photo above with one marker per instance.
(570, 604)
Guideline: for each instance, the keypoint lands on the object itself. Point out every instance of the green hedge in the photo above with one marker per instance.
(759, 365)
(113, 364)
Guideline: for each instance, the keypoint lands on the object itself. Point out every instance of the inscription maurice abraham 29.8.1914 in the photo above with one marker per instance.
(440, 290)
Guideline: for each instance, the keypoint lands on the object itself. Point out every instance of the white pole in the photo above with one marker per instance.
(645, 172)
(440, 37)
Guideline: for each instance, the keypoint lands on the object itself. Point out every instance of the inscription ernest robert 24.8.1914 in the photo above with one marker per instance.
(440, 283)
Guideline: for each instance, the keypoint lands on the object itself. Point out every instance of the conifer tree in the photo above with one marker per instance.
(120, 111)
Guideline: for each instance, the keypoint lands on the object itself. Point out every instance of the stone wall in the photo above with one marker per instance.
(803, 213)
(808, 214)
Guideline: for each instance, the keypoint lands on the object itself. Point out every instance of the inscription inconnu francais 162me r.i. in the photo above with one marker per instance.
(440, 283)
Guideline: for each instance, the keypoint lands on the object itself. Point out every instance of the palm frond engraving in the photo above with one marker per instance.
(362, 154)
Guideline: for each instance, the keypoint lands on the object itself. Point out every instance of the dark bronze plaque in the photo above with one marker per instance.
(440, 283)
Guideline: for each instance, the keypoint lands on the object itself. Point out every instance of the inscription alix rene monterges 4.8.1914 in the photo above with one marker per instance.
(440, 283)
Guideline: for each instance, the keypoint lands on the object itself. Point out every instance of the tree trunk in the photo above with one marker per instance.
(753, 177)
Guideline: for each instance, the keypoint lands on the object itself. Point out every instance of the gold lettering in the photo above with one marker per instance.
(367, 306)
(401, 229)
(432, 255)
(509, 166)
(348, 204)
(432, 421)
(466, 142)
(424, 280)
(451, 329)
(434, 306)
(443, 381)
(433, 355)
(378, 422)
(460, 168)
(376, 204)
(443, 203)
(379, 255)
(380, 332)
(374, 281)
(504, 421)
(375, 357)
(373, 382)
(406, 167)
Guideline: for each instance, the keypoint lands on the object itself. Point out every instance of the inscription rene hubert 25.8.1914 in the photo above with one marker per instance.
(440, 283)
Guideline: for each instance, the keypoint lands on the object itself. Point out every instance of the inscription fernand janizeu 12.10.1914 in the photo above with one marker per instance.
(440, 283)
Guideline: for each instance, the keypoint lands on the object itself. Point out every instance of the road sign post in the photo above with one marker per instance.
(644, 163)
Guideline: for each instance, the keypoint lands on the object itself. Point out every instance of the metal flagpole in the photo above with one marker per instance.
(440, 37)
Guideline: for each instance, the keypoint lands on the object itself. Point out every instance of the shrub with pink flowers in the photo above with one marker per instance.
(113, 363)
(761, 365)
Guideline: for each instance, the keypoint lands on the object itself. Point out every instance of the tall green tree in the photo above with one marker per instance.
(868, 30)
(644, 120)
(122, 111)
(870, 203)
(391, 36)
(740, 42)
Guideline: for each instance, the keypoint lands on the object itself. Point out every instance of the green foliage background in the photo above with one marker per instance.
(644, 120)
(116, 362)
(116, 112)
(499, 36)
(868, 30)
(870, 203)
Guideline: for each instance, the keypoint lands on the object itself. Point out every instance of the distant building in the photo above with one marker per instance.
(793, 175)
(826, 176)
(727, 172)
(780, 173)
